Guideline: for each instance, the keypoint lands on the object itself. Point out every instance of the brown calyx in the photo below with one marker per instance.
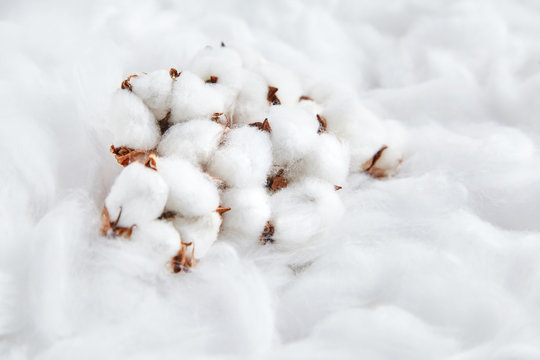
(305, 97)
(272, 97)
(263, 126)
(322, 124)
(212, 80)
(174, 73)
(126, 84)
(370, 166)
(164, 123)
(277, 182)
(111, 228)
(181, 262)
(222, 210)
(125, 156)
(267, 234)
(222, 119)
(337, 187)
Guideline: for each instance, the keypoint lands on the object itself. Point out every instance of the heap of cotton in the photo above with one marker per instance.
(232, 147)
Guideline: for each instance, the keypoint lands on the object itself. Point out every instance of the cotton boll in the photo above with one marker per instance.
(329, 160)
(251, 103)
(364, 132)
(244, 159)
(302, 210)
(289, 88)
(192, 193)
(250, 210)
(155, 90)
(191, 99)
(158, 239)
(194, 140)
(131, 122)
(310, 106)
(140, 193)
(199, 231)
(294, 132)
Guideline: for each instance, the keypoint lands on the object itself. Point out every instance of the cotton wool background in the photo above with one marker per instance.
(430, 252)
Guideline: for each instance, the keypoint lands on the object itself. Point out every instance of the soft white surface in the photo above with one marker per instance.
(441, 262)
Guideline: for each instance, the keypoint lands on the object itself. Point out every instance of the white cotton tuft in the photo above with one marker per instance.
(329, 160)
(294, 133)
(364, 132)
(251, 103)
(155, 90)
(158, 239)
(288, 85)
(192, 99)
(244, 159)
(311, 106)
(250, 210)
(139, 193)
(131, 122)
(303, 210)
(201, 231)
(194, 140)
(192, 192)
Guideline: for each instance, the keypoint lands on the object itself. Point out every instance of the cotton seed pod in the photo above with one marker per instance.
(194, 140)
(303, 210)
(201, 232)
(132, 124)
(138, 195)
(192, 192)
(192, 99)
(244, 159)
(154, 89)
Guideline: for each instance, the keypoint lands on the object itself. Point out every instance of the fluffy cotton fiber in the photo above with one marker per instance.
(155, 91)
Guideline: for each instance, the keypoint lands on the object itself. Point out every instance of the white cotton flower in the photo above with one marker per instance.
(158, 238)
(155, 91)
(193, 140)
(328, 160)
(303, 210)
(192, 99)
(201, 232)
(250, 210)
(244, 159)
(294, 132)
(138, 195)
(131, 122)
(192, 192)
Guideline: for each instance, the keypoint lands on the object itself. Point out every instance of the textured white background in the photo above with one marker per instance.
(441, 262)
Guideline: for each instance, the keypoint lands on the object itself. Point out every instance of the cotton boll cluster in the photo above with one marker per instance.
(230, 134)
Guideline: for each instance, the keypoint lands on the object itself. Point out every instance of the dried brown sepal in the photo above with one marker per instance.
(111, 228)
(277, 182)
(126, 84)
(125, 156)
(322, 124)
(272, 97)
(263, 126)
(164, 123)
(337, 187)
(167, 215)
(182, 262)
(222, 119)
(370, 166)
(222, 210)
(212, 80)
(221, 184)
(267, 234)
(305, 97)
(151, 162)
(222, 44)
(174, 73)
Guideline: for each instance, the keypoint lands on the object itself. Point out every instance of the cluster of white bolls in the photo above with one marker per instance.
(234, 132)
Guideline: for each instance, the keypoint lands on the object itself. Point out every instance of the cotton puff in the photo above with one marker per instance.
(250, 210)
(244, 159)
(251, 103)
(329, 160)
(311, 106)
(157, 238)
(200, 231)
(131, 122)
(289, 88)
(193, 140)
(364, 132)
(192, 192)
(141, 194)
(303, 210)
(155, 91)
(192, 99)
(294, 132)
